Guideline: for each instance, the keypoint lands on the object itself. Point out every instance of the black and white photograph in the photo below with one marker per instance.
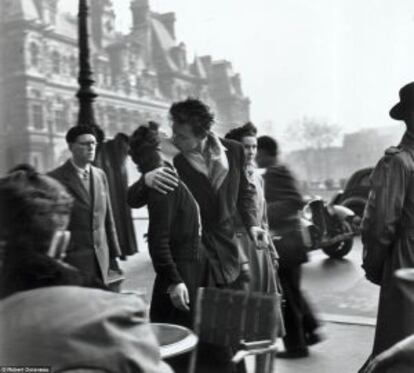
(193, 186)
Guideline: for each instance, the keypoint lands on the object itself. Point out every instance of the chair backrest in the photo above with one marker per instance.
(227, 317)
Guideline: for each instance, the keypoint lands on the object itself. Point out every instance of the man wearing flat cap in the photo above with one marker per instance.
(388, 229)
(94, 243)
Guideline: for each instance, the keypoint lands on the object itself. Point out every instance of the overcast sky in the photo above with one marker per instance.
(339, 60)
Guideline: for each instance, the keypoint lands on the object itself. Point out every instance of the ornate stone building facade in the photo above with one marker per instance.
(137, 76)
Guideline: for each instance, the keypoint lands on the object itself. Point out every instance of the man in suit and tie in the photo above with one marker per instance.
(94, 243)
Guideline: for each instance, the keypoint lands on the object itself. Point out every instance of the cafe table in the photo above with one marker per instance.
(174, 339)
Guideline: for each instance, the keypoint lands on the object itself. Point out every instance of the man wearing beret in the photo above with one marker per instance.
(388, 229)
(94, 243)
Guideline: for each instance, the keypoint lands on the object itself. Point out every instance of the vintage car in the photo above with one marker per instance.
(355, 194)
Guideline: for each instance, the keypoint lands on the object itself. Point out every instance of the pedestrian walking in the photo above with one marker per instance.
(283, 204)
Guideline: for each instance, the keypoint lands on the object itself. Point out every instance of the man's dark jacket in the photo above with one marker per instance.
(94, 241)
(282, 196)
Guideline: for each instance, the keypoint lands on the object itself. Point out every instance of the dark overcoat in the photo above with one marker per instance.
(174, 246)
(388, 240)
(112, 159)
(93, 236)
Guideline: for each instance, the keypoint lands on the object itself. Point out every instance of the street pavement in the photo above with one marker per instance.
(345, 302)
(338, 288)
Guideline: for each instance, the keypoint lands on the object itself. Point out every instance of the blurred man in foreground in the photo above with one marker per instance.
(46, 318)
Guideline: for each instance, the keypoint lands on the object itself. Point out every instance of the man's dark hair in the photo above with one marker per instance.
(268, 145)
(77, 131)
(237, 134)
(194, 113)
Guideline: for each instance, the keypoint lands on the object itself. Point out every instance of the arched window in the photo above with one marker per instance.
(34, 54)
(55, 62)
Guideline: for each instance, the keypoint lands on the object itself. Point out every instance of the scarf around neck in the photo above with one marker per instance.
(211, 161)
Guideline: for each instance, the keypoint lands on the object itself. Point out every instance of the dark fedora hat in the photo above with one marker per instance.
(401, 109)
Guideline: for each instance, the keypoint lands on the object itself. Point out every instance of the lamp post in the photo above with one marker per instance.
(86, 95)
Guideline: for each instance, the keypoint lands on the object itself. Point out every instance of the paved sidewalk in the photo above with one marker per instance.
(345, 349)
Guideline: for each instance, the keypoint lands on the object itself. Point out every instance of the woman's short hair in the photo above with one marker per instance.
(194, 113)
(31, 208)
(237, 134)
(143, 140)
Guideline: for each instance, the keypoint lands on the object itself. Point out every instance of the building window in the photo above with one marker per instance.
(126, 85)
(56, 62)
(75, 117)
(49, 14)
(73, 66)
(132, 64)
(136, 117)
(106, 74)
(65, 65)
(111, 117)
(34, 54)
(37, 117)
(125, 121)
(60, 120)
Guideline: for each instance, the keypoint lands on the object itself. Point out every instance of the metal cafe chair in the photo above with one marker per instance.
(244, 321)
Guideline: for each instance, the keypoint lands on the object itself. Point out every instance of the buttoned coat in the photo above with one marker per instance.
(388, 240)
(93, 234)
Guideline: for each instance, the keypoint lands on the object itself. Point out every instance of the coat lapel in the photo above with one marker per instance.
(74, 184)
(94, 187)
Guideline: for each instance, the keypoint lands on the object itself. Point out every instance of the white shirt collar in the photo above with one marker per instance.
(79, 170)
